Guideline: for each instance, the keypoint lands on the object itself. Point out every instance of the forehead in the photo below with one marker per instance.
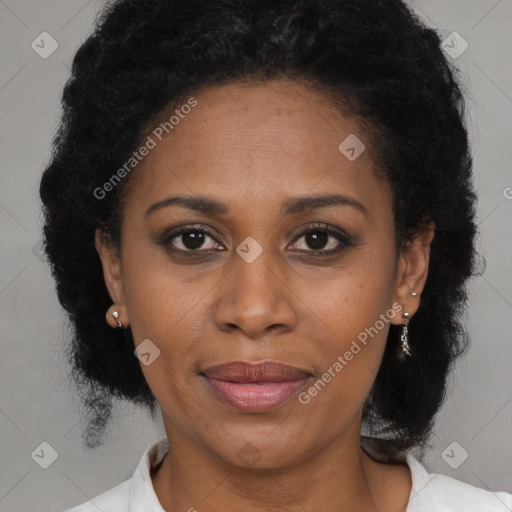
(255, 144)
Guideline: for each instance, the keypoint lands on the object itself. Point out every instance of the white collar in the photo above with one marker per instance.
(430, 492)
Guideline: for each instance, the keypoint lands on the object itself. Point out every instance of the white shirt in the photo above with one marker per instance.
(431, 492)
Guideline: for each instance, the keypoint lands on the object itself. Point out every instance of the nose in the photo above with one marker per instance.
(255, 298)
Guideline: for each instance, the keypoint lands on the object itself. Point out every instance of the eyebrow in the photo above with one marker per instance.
(290, 206)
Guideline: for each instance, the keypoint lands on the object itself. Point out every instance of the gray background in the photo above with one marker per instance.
(37, 403)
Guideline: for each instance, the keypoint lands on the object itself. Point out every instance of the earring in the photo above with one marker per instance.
(414, 294)
(115, 314)
(404, 336)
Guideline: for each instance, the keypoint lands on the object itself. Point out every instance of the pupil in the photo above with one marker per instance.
(193, 240)
(317, 240)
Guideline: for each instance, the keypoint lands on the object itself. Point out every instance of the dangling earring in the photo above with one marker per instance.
(115, 314)
(404, 336)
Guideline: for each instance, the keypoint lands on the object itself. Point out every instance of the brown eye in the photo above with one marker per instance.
(322, 239)
(317, 240)
(190, 239)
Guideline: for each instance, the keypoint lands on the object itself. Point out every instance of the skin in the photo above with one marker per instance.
(253, 147)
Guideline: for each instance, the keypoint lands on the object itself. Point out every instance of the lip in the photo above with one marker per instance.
(255, 387)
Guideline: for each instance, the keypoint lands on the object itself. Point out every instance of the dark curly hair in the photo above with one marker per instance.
(374, 58)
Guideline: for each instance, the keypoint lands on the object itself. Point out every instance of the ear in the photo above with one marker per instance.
(412, 271)
(111, 263)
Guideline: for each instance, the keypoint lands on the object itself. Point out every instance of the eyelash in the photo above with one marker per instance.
(344, 239)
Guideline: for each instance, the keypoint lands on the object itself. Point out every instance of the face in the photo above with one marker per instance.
(259, 276)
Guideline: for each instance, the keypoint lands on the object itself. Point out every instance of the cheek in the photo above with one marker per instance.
(352, 308)
(349, 297)
(157, 296)
(350, 361)
(163, 308)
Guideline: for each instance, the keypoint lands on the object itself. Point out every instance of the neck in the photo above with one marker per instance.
(337, 478)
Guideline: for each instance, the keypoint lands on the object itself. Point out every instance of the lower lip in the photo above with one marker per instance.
(253, 397)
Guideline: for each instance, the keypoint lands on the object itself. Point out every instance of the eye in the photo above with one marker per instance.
(191, 239)
(323, 240)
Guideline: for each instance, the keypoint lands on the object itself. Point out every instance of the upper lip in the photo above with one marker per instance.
(267, 371)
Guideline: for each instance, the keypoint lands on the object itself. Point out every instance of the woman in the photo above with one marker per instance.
(260, 218)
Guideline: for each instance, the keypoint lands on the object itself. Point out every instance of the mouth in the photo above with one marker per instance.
(251, 387)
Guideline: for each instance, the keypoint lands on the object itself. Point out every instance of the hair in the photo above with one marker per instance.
(374, 58)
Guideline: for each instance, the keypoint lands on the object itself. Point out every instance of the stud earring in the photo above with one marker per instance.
(115, 314)
(414, 294)
(404, 336)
